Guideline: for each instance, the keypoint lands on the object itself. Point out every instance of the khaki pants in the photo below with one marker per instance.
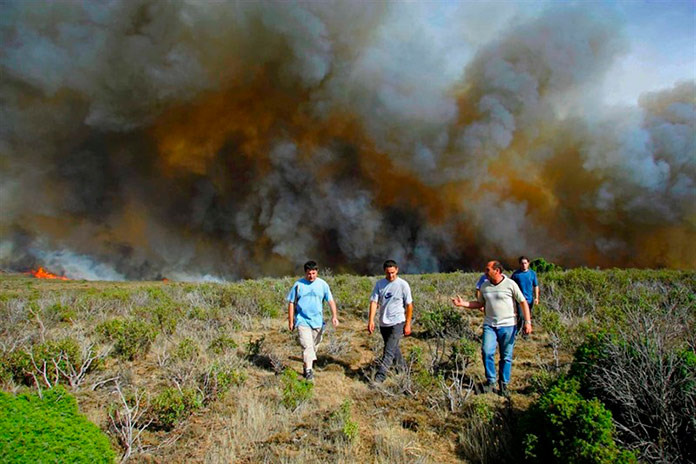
(309, 339)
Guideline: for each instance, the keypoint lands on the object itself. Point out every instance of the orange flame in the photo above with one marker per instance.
(40, 273)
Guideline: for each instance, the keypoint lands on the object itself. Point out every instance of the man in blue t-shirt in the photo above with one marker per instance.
(526, 279)
(306, 312)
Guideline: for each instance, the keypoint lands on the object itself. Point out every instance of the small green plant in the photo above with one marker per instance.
(296, 391)
(347, 427)
(49, 429)
(173, 405)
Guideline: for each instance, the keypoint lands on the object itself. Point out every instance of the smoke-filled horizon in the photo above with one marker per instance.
(205, 140)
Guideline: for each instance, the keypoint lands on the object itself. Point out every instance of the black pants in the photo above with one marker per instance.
(392, 354)
(520, 315)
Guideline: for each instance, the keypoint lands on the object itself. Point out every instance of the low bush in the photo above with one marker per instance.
(562, 426)
(222, 344)
(132, 337)
(172, 406)
(186, 350)
(16, 366)
(541, 265)
(444, 321)
(49, 429)
(219, 378)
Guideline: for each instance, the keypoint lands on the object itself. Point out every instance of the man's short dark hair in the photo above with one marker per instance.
(522, 258)
(498, 266)
(389, 263)
(311, 266)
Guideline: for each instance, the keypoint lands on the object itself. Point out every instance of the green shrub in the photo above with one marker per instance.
(186, 350)
(562, 426)
(219, 378)
(173, 405)
(222, 344)
(132, 337)
(591, 353)
(34, 430)
(166, 317)
(444, 321)
(16, 365)
(295, 390)
(541, 265)
(62, 312)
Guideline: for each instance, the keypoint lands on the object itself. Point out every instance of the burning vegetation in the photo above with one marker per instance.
(41, 273)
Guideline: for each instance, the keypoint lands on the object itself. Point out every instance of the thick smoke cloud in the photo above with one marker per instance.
(205, 140)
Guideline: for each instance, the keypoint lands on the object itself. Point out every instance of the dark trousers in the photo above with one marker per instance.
(520, 316)
(392, 354)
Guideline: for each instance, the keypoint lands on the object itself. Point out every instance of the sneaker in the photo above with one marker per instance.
(488, 388)
(504, 392)
(309, 375)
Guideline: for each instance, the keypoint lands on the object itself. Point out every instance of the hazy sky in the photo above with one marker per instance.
(660, 37)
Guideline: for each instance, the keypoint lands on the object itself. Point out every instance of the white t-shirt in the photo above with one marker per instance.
(500, 302)
(392, 298)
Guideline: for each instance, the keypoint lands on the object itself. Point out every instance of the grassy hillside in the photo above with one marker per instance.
(178, 372)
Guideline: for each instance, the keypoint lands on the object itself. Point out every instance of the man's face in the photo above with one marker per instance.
(311, 275)
(390, 273)
(524, 264)
(491, 272)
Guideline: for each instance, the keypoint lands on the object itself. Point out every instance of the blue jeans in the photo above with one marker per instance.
(504, 337)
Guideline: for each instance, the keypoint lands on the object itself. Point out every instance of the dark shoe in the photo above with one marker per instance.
(488, 387)
(504, 392)
(309, 375)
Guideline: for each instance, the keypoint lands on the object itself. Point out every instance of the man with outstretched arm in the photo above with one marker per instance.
(393, 296)
(498, 297)
(306, 312)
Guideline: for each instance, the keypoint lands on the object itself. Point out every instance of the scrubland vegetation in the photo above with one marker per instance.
(178, 372)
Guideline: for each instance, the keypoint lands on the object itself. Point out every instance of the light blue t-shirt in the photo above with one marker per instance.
(309, 298)
(526, 280)
(392, 298)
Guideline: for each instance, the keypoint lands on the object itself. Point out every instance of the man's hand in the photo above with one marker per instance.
(407, 329)
(334, 321)
(536, 301)
(371, 327)
(458, 301)
(527, 329)
(291, 325)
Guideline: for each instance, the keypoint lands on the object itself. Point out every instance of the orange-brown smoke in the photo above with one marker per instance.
(221, 140)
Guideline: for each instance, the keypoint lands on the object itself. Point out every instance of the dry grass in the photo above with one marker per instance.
(248, 423)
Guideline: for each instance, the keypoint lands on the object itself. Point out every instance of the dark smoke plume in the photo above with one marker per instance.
(206, 140)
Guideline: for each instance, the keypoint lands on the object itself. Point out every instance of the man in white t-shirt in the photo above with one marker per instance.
(393, 296)
(498, 296)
